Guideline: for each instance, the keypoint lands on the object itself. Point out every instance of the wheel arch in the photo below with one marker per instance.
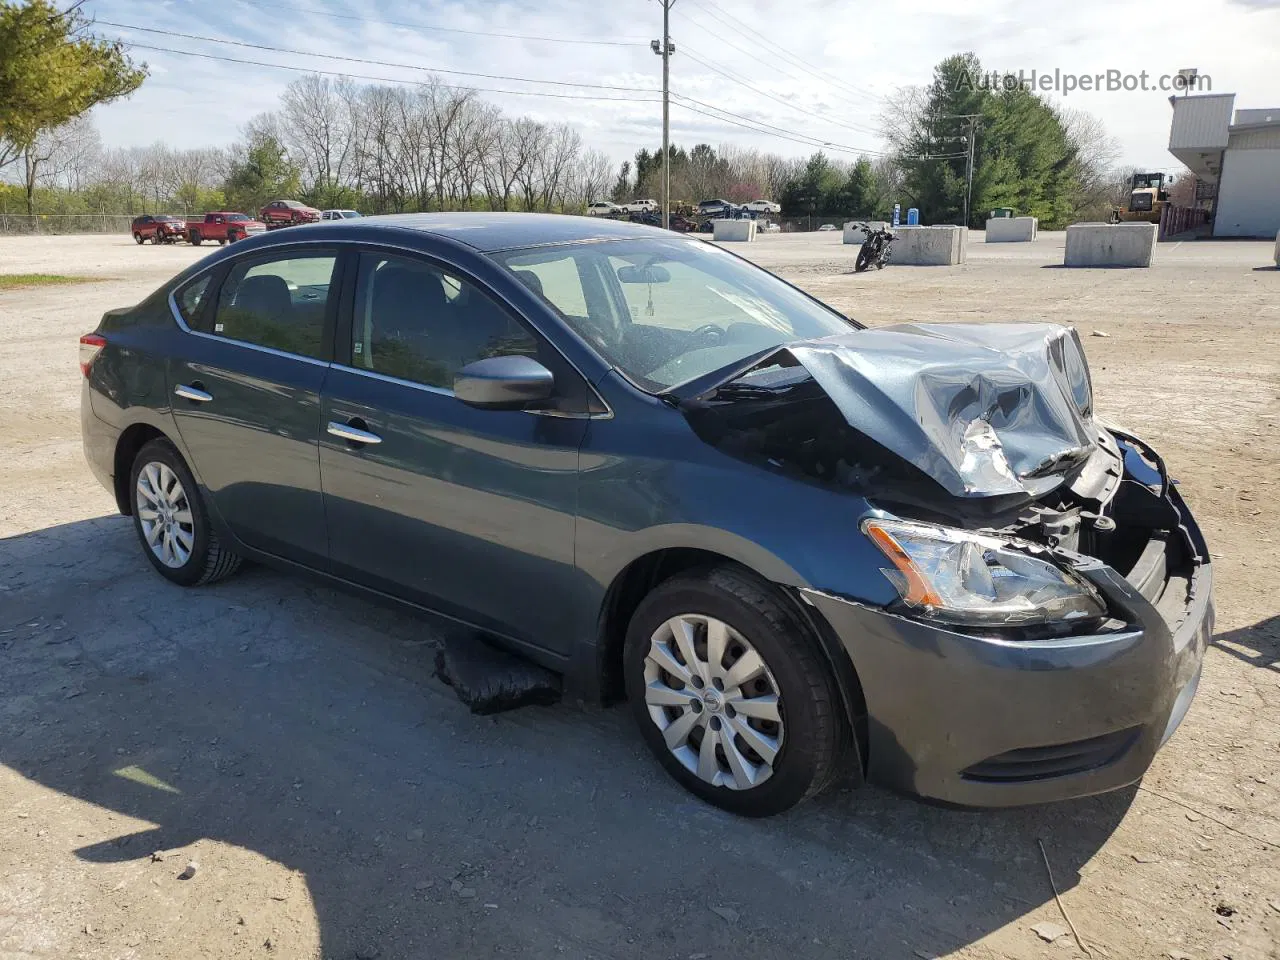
(646, 572)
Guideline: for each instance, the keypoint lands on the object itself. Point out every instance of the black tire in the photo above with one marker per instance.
(863, 261)
(815, 741)
(222, 242)
(233, 236)
(138, 238)
(196, 238)
(210, 560)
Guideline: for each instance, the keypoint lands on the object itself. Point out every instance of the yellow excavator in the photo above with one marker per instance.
(1147, 199)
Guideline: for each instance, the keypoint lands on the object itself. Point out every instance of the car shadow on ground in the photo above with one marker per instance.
(305, 725)
(1258, 645)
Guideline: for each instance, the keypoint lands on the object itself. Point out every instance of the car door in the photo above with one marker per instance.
(247, 394)
(468, 511)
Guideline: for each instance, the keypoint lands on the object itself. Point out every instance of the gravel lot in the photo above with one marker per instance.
(337, 801)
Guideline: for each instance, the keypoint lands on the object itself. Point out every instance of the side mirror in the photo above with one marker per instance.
(503, 383)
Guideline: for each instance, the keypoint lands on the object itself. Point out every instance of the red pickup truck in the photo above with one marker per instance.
(224, 227)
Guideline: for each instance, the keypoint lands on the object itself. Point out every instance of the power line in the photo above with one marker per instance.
(399, 80)
(758, 126)
(744, 29)
(856, 128)
(765, 127)
(378, 63)
(427, 26)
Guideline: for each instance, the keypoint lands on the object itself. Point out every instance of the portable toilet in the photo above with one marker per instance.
(913, 217)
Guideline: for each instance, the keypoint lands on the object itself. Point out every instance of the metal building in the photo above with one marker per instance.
(1237, 159)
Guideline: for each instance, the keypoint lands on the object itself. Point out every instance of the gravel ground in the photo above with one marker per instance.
(267, 768)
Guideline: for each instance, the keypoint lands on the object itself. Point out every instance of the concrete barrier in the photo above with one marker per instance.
(1012, 229)
(853, 233)
(1110, 244)
(938, 246)
(744, 230)
(1278, 251)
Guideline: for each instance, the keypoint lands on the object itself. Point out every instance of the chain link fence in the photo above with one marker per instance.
(20, 224)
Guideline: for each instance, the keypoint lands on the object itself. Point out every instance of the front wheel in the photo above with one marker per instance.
(170, 519)
(138, 238)
(731, 693)
(864, 259)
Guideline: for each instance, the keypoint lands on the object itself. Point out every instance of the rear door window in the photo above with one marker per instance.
(280, 303)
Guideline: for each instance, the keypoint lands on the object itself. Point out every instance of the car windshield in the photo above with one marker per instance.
(667, 311)
(237, 217)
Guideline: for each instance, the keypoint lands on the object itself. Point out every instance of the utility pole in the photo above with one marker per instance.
(968, 179)
(665, 48)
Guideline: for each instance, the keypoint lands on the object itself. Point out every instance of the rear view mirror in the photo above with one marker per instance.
(650, 274)
(503, 383)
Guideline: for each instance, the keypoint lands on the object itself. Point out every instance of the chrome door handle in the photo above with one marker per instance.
(352, 434)
(194, 394)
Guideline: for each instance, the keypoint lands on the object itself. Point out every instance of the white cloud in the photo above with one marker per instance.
(869, 49)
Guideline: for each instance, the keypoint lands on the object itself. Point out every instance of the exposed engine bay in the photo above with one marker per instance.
(984, 427)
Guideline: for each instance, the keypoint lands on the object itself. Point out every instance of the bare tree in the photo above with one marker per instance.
(591, 178)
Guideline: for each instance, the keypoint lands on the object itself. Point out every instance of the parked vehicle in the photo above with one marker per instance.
(562, 433)
(716, 208)
(767, 226)
(160, 228)
(603, 208)
(340, 215)
(827, 227)
(641, 206)
(762, 206)
(287, 213)
(223, 227)
(875, 249)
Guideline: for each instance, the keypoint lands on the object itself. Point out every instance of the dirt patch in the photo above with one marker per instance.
(338, 801)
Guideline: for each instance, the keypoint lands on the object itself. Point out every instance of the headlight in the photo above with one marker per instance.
(970, 579)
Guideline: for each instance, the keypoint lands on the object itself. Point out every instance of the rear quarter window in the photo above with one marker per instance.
(190, 298)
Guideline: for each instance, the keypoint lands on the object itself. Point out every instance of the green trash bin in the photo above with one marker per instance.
(1000, 213)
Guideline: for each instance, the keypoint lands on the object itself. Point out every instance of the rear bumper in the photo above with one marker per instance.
(99, 439)
(979, 722)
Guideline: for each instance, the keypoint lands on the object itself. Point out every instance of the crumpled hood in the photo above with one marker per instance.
(983, 409)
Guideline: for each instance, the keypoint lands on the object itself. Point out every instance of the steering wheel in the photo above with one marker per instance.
(708, 331)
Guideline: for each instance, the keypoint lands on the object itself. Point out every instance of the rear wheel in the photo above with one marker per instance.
(196, 238)
(731, 693)
(171, 521)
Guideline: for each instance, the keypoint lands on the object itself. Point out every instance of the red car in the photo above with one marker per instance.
(287, 213)
(224, 227)
(160, 228)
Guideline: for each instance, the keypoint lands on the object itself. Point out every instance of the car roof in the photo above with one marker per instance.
(491, 232)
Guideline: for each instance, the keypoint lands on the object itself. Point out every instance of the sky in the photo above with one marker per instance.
(794, 74)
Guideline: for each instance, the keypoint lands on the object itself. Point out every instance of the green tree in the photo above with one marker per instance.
(857, 196)
(1023, 154)
(52, 71)
(265, 174)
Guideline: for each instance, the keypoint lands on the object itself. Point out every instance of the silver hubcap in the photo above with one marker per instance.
(715, 701)
(165, 514)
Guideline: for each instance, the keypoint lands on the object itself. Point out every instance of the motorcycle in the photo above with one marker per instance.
(875, 248)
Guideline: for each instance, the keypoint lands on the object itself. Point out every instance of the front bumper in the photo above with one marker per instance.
(990, 723)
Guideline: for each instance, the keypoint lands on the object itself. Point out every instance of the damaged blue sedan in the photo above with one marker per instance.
(802, 550)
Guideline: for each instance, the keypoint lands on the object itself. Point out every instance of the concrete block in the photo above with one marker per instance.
(743, 230)
(1278, 250)
(938, 246)
(1012, 229)
(1110, 244)
(853, 233)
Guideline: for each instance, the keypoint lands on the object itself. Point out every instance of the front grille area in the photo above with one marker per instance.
(1060, 760)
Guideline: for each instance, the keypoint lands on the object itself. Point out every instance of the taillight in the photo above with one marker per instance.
(91, 345)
